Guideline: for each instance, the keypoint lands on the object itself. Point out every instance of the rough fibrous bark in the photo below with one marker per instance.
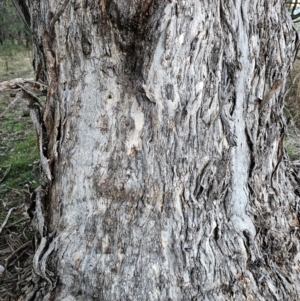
(166, 177)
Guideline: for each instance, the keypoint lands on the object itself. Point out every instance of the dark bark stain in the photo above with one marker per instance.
(170, 91)
(86, 46)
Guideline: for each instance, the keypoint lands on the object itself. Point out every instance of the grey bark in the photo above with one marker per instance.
(165, 173)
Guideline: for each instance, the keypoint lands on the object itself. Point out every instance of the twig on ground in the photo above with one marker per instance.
(16, 251)
(10, 105)
(25, 219)
(5, 174)
(6, 219)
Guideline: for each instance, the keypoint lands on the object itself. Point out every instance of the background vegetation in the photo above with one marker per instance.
(11, 26)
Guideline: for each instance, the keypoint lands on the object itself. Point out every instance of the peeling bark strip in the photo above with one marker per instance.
(165, 182)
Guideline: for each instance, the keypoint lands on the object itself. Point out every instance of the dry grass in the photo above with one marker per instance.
(15, 61)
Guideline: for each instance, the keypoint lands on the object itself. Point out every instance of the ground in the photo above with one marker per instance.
(18, 173)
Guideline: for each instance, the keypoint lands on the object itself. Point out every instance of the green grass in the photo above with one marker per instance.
(20, 158)
(19, 153)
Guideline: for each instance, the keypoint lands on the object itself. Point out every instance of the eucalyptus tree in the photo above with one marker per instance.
(161, 143)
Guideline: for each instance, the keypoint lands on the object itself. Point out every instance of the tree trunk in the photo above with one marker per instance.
(165, 176)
